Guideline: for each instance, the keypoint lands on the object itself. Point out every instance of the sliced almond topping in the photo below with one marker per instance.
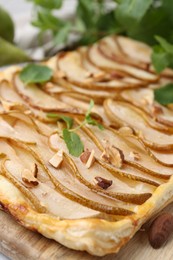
(156, 110)
(57, 159)
(88, 158)
(29, 178)
(103, 183)
(35, 170)
(85, 156)
(91, 159)
(134, 155)
(27, 112)
(113, 155)
(7, 105)
(49, 85)
(59, 74)
(126, 130)
(148, 99)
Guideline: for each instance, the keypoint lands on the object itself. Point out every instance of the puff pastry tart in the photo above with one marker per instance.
(98, 200)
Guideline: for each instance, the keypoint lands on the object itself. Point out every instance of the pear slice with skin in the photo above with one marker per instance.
(98, 59)
(129, 144)
(96, 95)
(73, 190)
(86, 176)
(38, 99)
(8, 94)
(125, 115)
(144, 99)
(113, 49)
(98, 109)
(44, 192)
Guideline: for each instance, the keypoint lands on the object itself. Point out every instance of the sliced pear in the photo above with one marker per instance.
(146, 165)
(71, 65)
(133, 54)
(99, 60)
(126, 115)
(61, 179)
(118, 189)
(45, 192)
(36, 98)
(144, 99)
(98, 96)
(135, 50)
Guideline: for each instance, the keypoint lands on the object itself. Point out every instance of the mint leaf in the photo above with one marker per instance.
(62, 35)
(164, 95)
(91, 105)
(52, 115)
(89, 120)
(165, 44)
(34, 73)
(68, 121)
(160, 58)
(49, 4)
(73, 142)
(130, 12)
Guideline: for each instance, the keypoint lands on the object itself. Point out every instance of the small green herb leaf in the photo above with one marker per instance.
(91, 105)
(52, 115)
(130, 12)
(34, 73)
(89, 120)
(168, 47)
(73, 142)
(68, 121)
(61, 36)
(160, 58)
(164, 95)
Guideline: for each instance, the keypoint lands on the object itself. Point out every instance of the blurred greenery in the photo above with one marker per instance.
(94, 19)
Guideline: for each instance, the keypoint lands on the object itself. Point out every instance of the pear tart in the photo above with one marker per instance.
(96, 201)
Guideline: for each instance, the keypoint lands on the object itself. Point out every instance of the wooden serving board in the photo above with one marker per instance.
(18, 243)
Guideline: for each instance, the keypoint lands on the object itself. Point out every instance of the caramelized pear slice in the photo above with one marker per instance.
(38, 99)
(70, 64)
(126, 115)
(113, 49)
(119, 189)
(65, 184)
(43, 195)
(131, 144)
(135, 50)
(102, 62)
(99, 96)
(144, 99)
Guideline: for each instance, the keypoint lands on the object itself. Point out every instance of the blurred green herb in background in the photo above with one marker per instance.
(149, 21)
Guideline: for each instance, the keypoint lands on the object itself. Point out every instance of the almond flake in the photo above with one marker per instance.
(57, 159)
(134, 155)
(126, 130)
(148, 99)
(156, 110)
(85, 156)
(91, 159)
(113, 155)
(27, 112)
(29, 178)
(7, 105)
(103, 183)
(49, 85)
